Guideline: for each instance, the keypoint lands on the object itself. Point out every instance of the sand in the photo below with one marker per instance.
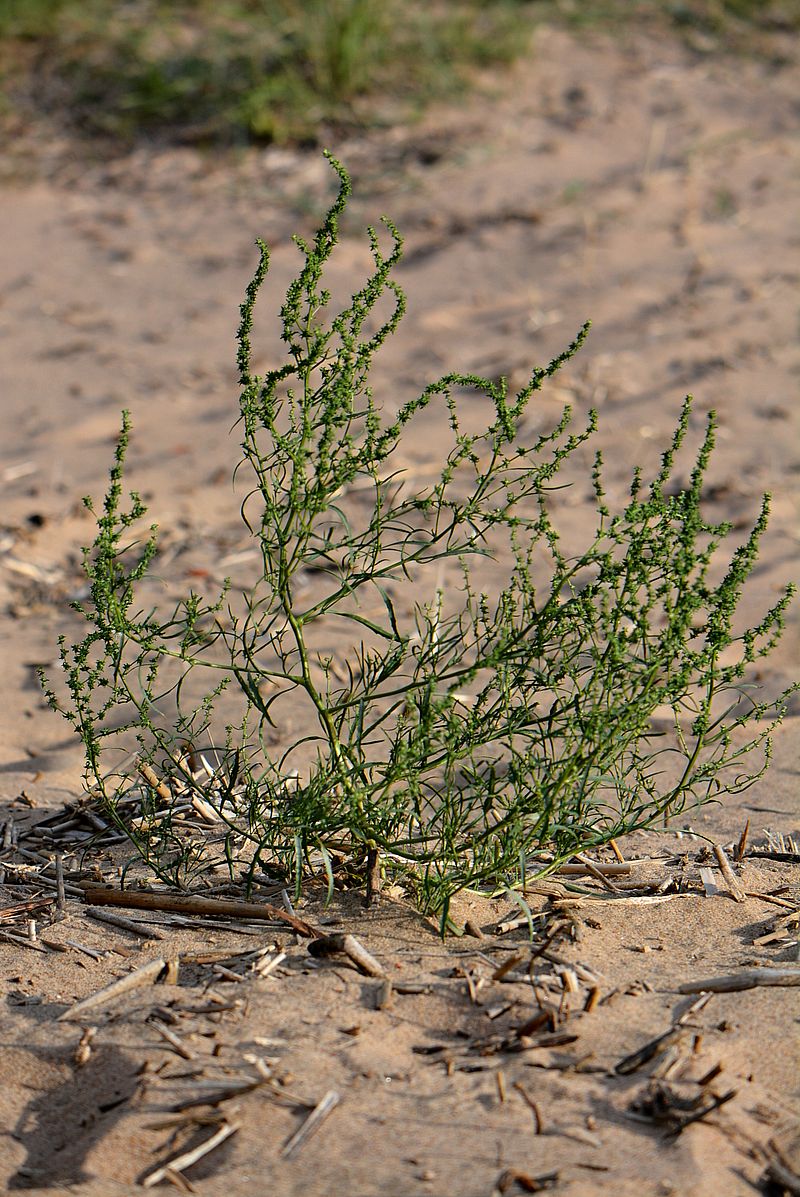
(652, 191)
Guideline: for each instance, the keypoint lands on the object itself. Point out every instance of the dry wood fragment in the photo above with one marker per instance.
(21, 941)
(580, 1134)
(332, 945)
(595, 872)
(569, 980)
(204, 809)
(472, 928)
(710, 1076)
(147, 974)
(61, 897)
(32, 905)
(82, 947)
(187, 1158)
(29, 874)
(694, 1007)
(172, 972)
(593, 868)
(714, 1104)
(383, 995)
(731, 880)
(615, 849)
(312, 1123)
(173, 1040)
(411, 987)
(155, 782)
(538, 1124)
(373, 892)
(750, 978)
(671, 1065)
(778, 935)
(142, 930)
(227, 974)
(772, 899)
(742, 844)
(265, 967)
(100, 895)
(508, 965)
(83, 1051)
(209, 1096)
(783, 857)
(650, 1049)
(709, 881)
(523, 1180)
(545, 888)
(54, 945)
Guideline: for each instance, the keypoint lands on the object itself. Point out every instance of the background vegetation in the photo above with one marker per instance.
(295, 71)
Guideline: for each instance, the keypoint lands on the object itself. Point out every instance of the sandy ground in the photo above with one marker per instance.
(656, 194)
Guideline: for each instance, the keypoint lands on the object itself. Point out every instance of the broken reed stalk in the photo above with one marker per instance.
(116, 920)
(332, 945)
(145, 975)
(100, 895)
(698, 1115)
(598, 874)
(61, 897)
(187, 1158)
(312, 1123)
(750, 978)
(731, 880)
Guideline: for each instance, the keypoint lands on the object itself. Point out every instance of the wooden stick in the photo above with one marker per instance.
(100, 895)
(30, 907)
(592, 869)
(330, 945)
(155, 782)
(731, 880)
(650, 1049)
(771, 898)
(187, 1158)
(173, 1040)
(144, 975)
(61, 897)
(538, 1124)
(20, 941)
(618, 869)
(373, 876)
(714, 1104)
(117, 920)
(32, 877)
(312, 1123)
(750, 978)
(740, 847)
(215, 1097)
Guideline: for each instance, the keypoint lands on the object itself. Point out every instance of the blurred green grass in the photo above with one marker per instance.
(235, 72)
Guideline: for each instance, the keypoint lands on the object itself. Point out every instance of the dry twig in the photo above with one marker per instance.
(100, 895)
(312, 1122)
(750, 978)
(187, 1158)
(145, 975)
(731, 880)
(331, 945)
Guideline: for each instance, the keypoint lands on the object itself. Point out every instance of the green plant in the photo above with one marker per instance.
(536, 701)
(246, 70)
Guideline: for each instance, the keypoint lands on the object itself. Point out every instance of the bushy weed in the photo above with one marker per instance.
(424, 681)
